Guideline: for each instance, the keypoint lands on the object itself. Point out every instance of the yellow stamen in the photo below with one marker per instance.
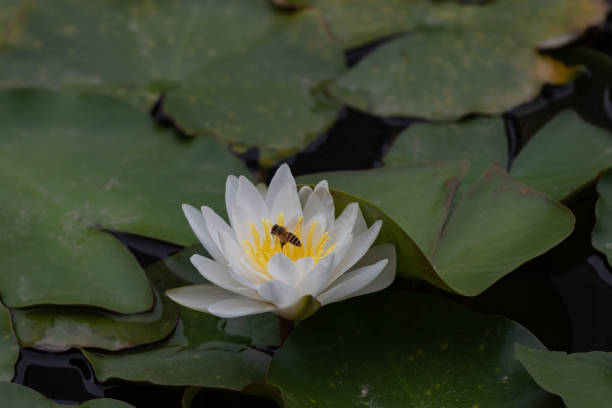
(255, 235)
(309, 247)
(262, 247)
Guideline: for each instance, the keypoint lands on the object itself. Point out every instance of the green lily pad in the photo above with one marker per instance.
(563, 156)
(581, 379)
(554, 161)
(74, 165)
(9, 351)
(481, 140)
(602, 233)
(204, 350)
(449, 59)
(61, 328)
(404, 349)
(237, 69)
(15, 395)
(462, 245)
(199, 353)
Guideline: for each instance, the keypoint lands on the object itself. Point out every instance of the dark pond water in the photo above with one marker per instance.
(564, 296)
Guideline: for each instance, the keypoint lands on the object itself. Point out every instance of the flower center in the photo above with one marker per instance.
(262, 248)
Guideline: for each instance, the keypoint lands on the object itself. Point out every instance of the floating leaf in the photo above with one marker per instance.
(446, 59)
(15, 395)
(554, 161)
(563, 156)
(602, 234)
(581, 379)
(76, 164)
(61, 328)
(199, 353)
(236, 68)
(404, 349)
(203, 351)
(481, 140)
(9, 351)
(459, 245)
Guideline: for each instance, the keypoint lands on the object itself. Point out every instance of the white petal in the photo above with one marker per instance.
(242, 272)
(250, 199)
(221, 276)
(231, 186)
(287, 202)
(352, 282)
(360, 225)
(386, 277)
(343, 226)
(316, 279)
(200, 297)
(283, 269)
(198, 225)
(320, 207)
(305, 192)
(281, 178)
(242, 223)
(279, 293)
(239, 307)
(263, 190)
(340, 251)
(359, 247)
(214, 225)
(303, 266)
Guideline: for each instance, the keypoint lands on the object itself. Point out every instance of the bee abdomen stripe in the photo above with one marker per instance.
(295, 240)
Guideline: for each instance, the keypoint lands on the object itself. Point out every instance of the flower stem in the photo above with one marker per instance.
(286, 327)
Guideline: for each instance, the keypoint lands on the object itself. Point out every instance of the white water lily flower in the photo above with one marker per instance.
(251, 272)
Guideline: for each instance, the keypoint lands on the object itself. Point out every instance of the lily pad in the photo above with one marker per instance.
(9, 351)
(555, 161)
(446, 59)
(74, 165)
(404, 349)
(61, 328)
(15, 395)
(563, 156)
(204, 350)
(237, 69)
(460, 245)
(199, 353)
(481, 140)
(581, 379)
(602, 234)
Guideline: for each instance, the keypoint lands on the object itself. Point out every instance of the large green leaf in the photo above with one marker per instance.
(581, 379)
(403, 349)
(235, 68)
(9, 351)
(74, 165)
(199, 353)
(602, 234)
(563, 156)
(61, 328)
(203, 351)
(15, 395)
(480, 140)
(449, 59)
(559, 159)
(460, 245)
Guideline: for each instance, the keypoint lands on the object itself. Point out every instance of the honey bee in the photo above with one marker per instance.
(285, 236)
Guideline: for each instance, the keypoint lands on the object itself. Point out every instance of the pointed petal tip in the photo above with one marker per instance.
(186, 207)
(195, 257)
